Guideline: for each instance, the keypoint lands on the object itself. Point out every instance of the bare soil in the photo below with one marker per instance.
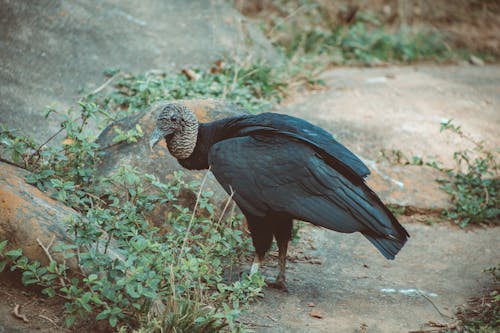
(25, 310)
(340, 283)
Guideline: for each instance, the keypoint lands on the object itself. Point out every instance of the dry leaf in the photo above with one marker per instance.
(192, 75)
(217, 68)
(316, 314)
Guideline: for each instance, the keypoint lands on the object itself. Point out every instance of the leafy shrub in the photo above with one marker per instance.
(474, 184)
(146, 266)
(137, 276)
(315, 28)
(482, 314)
(255, 87)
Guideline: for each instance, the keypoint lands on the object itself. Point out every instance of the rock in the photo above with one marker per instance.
(29, 217)
(476, 61)
(316, 314)
(408, 185)
(27, 214)
(159, 162)
(52, 50)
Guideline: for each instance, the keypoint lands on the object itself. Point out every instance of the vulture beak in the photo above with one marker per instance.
(157, 135)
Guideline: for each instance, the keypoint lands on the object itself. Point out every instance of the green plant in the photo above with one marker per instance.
(322, 30)
(128, 267)
(253, 86)
(482, 314)
(474, 184)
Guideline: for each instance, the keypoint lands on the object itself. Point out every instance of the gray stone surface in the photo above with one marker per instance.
(50, 51)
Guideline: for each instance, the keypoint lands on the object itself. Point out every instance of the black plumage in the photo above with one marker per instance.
(282, 168)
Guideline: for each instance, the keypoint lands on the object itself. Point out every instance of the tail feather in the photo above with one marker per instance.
(388, 247)
(389, 244)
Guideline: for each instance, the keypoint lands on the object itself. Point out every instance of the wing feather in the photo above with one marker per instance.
(277, 174)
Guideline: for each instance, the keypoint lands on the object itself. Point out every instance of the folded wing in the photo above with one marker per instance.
(278, 172)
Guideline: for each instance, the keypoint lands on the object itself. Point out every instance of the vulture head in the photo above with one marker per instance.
(179, 127)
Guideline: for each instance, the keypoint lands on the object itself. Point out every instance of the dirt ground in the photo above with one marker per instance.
(23, 310)
(339, 283)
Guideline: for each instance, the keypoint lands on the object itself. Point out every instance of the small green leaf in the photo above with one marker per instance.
(113, 321)
(2, 245)
(131, 291)
(103, 315)
(92, 277)
(14, 254)
(69, 320)
(49, 292)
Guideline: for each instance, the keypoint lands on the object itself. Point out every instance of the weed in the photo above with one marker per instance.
(311, 28)
(147, 267)
(397, 209)
(474, 184)
(255, 87)
(482, 315)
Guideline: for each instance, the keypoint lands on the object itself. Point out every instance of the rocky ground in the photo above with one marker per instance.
(340, 283)
(52, 51)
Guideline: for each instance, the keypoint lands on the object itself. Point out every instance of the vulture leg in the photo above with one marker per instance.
(255, 265)
(262, 237)
(283, 234)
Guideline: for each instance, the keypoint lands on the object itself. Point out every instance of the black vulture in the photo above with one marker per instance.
(280, 168)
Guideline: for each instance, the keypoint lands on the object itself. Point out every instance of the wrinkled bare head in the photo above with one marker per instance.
(179, 127)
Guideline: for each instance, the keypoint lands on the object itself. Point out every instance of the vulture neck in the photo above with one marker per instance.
(208, 134)
(183, 143)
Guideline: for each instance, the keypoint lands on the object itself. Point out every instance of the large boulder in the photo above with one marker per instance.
(52, 50)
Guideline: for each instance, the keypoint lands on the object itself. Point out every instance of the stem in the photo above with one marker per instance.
(110, 236)
(188, 231)
(37, 152)
(228, 201)
(13, 164)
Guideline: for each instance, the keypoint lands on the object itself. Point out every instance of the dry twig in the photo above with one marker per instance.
(105, 84)
(434, 305)
(19, 315)
(46, 249)
(49, 320)
(228, 201)
(47, 253)
(188, 231)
